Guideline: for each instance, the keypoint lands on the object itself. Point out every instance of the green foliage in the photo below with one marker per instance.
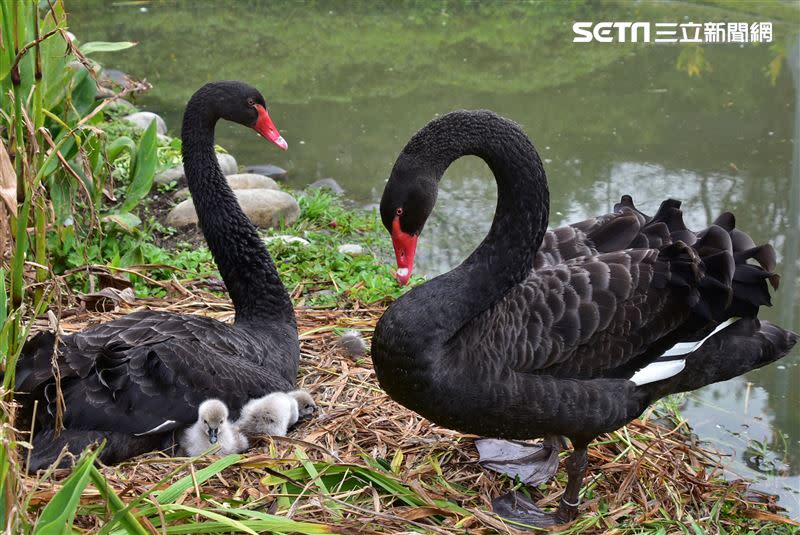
(48, 118)
(58, 514)
(325, 276)
(160, 509)
(317, 273)
(143, 170)
(105, 46)
(120, 510)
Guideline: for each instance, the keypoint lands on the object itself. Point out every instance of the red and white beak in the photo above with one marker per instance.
(266, 128)
(405, 246)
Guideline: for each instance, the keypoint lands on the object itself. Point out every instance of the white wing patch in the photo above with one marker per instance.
(156, 429)
(657, 371)
(667, 365)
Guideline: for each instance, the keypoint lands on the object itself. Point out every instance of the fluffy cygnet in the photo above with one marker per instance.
(268, 415)
(212, 426)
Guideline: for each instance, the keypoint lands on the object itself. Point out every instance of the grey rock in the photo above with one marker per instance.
(238, 181)
(250, 181)
(113, 76)
(351, 249)
(142, 119)
(227, 163)
(372, 207)
(328, 183)
(272, 171)
(165, 177)
(266, 208)
(181, 194)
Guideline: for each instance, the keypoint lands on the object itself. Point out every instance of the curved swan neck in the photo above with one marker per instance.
(506, 255)
(252, 281)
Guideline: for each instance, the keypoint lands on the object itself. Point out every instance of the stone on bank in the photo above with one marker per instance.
(266, 208)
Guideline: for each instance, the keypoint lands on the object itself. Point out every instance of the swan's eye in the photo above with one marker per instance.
(398, 212)
(251, 101)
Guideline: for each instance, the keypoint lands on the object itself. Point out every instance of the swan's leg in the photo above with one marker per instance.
(576, 468)
(532, 463)
(517, 507)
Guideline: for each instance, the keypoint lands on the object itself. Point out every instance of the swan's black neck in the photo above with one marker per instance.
(506, 255)
(252, 281)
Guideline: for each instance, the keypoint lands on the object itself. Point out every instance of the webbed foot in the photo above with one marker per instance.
(532, 463)
(517, 507)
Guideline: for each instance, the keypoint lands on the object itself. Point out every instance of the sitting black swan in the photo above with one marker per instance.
(571, 332)
(136, 380)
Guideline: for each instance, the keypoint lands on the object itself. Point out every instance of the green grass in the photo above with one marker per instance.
(315, 274)
(325, 276)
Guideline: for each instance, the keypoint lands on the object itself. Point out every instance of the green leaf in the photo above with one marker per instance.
(84, 90)
(143, 170)
(397, 461)
(279, 523)
(105, 46)
(182, 485)
(66, 148)
(3, 308)
(260, 526)
(6, 44)
(126, 220)
(57, 516)
(116, 147)
(230, 522)
(133, 256)
(126, 519)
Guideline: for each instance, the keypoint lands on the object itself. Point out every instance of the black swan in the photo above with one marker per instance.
(135, 380)
(212, 427)
(567, 333)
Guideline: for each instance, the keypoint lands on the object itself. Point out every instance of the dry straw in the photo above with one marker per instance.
(366, 464)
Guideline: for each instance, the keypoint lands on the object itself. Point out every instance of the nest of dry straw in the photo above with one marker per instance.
(366, 464)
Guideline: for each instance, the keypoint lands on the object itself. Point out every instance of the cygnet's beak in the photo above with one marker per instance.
(308, 415)
(213, 434)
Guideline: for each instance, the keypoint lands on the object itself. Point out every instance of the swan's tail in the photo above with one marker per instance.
(744, 345)
(34, 366)
(712, 266)
(35, 380)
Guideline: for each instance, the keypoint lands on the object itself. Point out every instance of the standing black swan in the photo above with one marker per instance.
(570, 332)
(135, 380)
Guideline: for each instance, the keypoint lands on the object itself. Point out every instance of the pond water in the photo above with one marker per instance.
(348, 86)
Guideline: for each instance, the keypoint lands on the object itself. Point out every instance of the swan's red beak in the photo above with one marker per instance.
(266, 128)
(405, 246)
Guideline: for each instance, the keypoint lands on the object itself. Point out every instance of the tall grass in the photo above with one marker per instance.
(54, 168)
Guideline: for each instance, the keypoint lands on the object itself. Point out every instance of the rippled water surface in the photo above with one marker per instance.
(348, 85)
